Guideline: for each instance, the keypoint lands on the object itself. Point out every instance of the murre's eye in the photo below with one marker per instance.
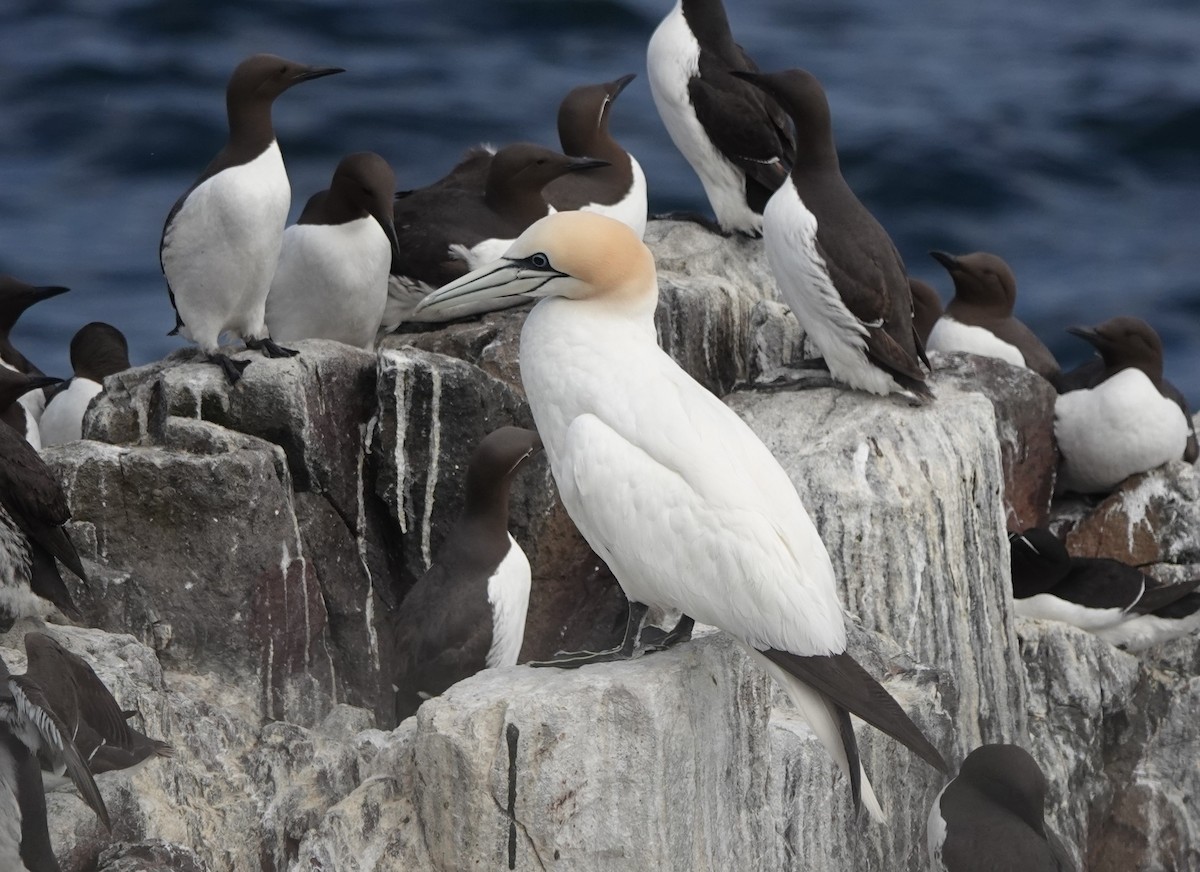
(539, 260)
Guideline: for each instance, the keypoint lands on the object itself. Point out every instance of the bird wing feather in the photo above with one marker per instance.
(696, 514)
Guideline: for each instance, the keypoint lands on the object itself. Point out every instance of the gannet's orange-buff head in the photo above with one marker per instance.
(576, 255)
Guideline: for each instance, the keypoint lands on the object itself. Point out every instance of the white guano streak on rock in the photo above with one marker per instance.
(431, 474)
(1136, 505)
(398, 450)
(364, 448)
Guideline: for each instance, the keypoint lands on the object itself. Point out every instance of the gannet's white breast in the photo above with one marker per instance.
(1120, 427)
(670, 487)
(672, 59)
(331, 283)
(790, 237)
(220, 249)
(508, 595)
(63, 418)
(951, 335)
(631, 209)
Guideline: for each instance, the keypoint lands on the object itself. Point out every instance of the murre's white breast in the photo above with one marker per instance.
(673, 58)
(508, 595)
(63, 419)
(631, 209)
(1047, 607)
(220, 249)
(331, 283)
(1145, 631)
(951, 335)
(790, 236)
(1121, 427)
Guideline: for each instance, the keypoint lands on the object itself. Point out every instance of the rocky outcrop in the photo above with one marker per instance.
(247, 546)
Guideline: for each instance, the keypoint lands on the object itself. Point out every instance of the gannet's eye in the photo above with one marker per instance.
(539, 260)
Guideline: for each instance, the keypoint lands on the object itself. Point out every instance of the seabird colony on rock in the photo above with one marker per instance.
(666, 483)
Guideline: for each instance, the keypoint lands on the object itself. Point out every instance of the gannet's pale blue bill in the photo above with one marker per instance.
(504, 282)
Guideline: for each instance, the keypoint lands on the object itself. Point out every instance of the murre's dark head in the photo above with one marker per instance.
(263, 77)
(583, 116)
(1039, 560)
(800, 95)
(16, 296)
(493, 464)
(1011, 778)
(532, 167)
(99, 350)
(981, 280)
(14, 384)
(363, 184)
(1126, 342)
(517, 175)
(927, 307)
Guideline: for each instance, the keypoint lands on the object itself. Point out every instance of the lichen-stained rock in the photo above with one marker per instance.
(817, 827)
(149, 856)
(907, 501)
(1024, 406)
(219, 576)
(657, 763)
(1083, 688)
(1150, 518)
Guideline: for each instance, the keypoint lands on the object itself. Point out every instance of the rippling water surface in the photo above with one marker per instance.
(1066, 140)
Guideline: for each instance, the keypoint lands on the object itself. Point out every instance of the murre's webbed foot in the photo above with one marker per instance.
(658, 639)
(233, 369)
(269, 348)
(624, 651)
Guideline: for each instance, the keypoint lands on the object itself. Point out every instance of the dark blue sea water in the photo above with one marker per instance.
(1064, 137)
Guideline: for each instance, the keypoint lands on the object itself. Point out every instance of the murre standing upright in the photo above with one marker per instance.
(671, 488)
(735, 137)
(1125, 422)
(991, 817)
(33, 510)
(617, 190)
(467, 612)
(94, 720)
(15, 297)
(332, 278)
(221, 240)
(836, 266)
(980, 320)
(470, 217)
(98, 350)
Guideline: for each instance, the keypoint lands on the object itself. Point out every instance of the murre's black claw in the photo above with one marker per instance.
(658, 639)
(233, 369)
(269, 348)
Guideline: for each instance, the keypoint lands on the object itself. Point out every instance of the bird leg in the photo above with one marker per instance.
(624, 651)
(656, 639)
(232, 368)
(270, 348)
